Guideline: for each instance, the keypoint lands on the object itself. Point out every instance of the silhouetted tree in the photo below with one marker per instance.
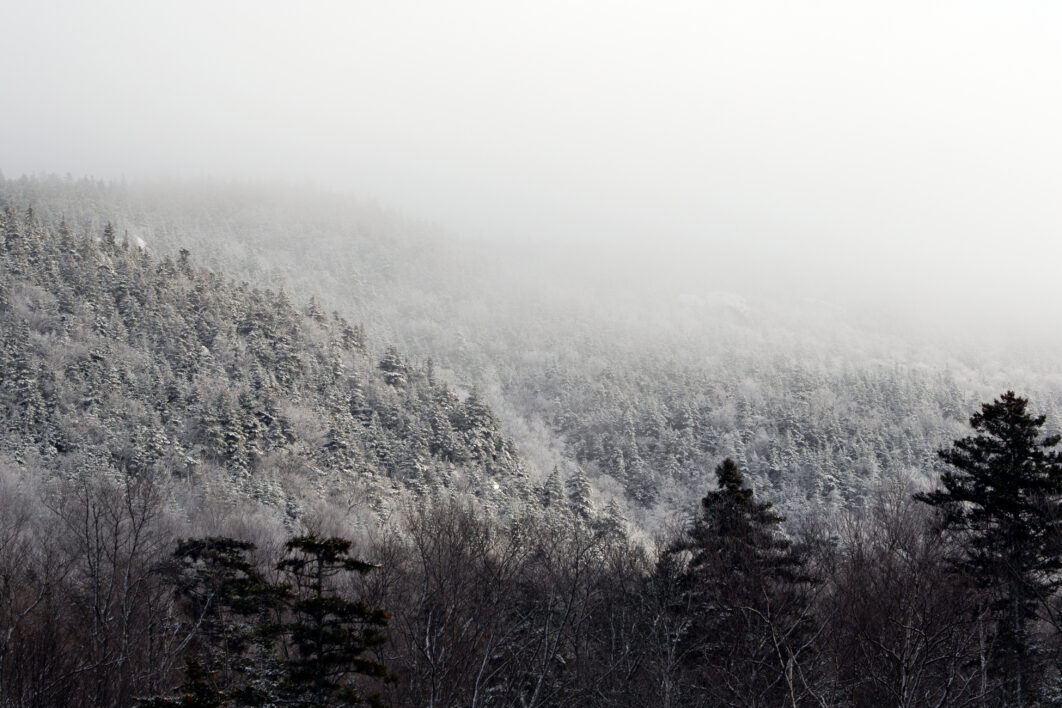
(326, 634)
(1001, 504)
(744, 594)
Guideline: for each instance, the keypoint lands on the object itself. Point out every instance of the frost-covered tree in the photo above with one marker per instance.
(551, 494)
(578, 488)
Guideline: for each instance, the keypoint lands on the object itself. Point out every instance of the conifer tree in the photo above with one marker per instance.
(393, 368)
(328, 634)
(1001, 503)
(225, 600)
(578, 487)
(297, 642)
(612, 522)
(743, 599)
(552, 491)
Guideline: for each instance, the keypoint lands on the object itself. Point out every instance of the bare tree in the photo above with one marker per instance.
(907, 629)
(125, 641)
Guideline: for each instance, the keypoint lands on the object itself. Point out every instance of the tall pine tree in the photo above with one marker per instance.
(744, 598)
(327, 635)
(1001, 504)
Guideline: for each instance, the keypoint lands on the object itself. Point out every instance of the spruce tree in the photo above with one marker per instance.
(225, 601)
(578, 488)
(393, 368)
(744, 600)
(326, 634)
(298, 642)
(1001, 504)
(552, 491)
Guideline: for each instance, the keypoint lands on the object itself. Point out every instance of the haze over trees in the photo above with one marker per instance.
(217, 493)
(532, 355)
(643, 390)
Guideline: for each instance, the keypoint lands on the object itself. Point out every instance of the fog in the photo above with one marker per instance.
(899, 158)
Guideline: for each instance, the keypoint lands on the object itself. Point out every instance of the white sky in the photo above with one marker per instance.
(909, 151)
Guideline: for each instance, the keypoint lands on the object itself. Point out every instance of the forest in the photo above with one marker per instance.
(641, 384)
(227, 481)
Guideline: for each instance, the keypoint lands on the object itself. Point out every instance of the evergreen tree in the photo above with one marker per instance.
(612, 522)
(393, 368)
(225, 600)
(297, 642)
(1002, 503)
(578, 487)
(327, 634)
(744, 600)
(552, 491)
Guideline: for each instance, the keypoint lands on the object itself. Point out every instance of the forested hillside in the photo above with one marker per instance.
(214, 493)
(116, 362)
(530, 355)
(641, 384)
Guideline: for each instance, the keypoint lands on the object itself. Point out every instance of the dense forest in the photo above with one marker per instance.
(118, 363)
(364, 477)
(640, 388)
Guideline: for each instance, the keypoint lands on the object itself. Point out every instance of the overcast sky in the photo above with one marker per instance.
(874, 149)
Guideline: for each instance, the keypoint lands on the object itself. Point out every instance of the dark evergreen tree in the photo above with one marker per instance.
(743, 601)
(1001, 504)
(327, 635)
(226, 603)
(297, 642)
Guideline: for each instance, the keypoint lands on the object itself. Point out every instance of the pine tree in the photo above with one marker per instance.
(225, 600)
(1002, 504)
(612, 522)
(552, 491)
(393, 368)
(298, 642)
(578, 487)
(744, 599)
(328, 634)
(735, 531)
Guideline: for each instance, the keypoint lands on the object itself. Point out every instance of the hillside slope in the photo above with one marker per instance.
(639, 382)
(118, 363)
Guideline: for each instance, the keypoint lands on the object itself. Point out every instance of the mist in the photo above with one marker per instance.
(900, 160)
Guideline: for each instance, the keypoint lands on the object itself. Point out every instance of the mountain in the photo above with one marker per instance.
(594, 364)
(199, 459)
(116, 362)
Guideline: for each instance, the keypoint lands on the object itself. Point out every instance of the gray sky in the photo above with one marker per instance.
(908, 151)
